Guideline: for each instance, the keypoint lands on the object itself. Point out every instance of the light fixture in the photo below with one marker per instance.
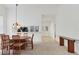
(16, 25)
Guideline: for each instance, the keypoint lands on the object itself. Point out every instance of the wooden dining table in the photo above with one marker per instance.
(22, 39)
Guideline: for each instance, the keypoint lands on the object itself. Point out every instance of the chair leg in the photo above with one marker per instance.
(13, 51)
(7, 47)
(2, 51)
(19, 50)
(9, 51)
(25, 46)
(32, 45)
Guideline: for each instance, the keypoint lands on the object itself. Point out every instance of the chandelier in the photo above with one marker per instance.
(16, 25)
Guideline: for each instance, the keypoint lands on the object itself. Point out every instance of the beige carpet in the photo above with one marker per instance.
(47, 48)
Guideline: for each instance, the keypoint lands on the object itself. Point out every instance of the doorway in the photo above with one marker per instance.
(48, 28)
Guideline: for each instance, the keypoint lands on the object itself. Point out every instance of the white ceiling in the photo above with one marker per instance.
(10, 5)
(31, 5)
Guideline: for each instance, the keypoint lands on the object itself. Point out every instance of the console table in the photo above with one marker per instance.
(70, 43)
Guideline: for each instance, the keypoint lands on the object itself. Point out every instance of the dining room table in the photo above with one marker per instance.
(22, 39)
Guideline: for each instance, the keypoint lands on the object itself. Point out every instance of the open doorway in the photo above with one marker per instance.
(48, 28)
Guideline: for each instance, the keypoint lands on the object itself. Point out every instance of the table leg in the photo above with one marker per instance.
(71, 46)
(61, 41)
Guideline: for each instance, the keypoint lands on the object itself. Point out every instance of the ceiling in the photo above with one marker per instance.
(10, 5)
(31, 5)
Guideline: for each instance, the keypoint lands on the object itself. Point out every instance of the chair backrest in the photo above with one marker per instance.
(1, 35)
(5, 43)
(32, 37)
(15, 38)
(5, 38)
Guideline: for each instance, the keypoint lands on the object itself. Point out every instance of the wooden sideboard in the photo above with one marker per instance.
(70, 43)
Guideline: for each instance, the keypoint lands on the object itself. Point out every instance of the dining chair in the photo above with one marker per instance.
(30, 41)
(5, 43)
(17, 43)
(16, 38)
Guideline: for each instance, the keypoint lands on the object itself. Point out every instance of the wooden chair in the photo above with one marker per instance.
(17, 43)
(5, 44)
(30, 41)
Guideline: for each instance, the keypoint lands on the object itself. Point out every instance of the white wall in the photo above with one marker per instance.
(30, 15)
(1, 29)
(3, 22)
(67, 22)
(3, 12)
(11, 19)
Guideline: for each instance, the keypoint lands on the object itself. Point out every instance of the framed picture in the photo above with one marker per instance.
(36, 28)
(31, 28)
(46, 28)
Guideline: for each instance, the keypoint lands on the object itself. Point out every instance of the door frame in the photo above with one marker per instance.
(54, 23)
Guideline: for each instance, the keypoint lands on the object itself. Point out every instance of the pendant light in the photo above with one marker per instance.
(16, 16)
(16, 25)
